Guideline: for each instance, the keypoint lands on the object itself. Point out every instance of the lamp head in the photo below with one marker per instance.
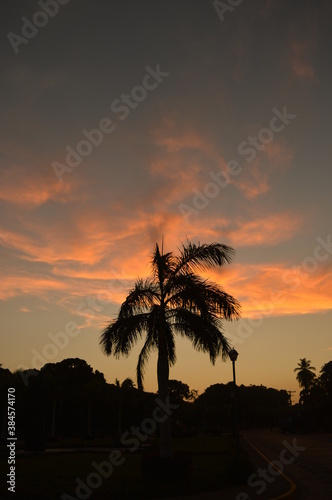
(233, 354)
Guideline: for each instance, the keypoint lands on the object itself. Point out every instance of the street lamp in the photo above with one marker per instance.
(233, 354)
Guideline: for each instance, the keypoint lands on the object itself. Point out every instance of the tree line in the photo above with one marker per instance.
(69, 399)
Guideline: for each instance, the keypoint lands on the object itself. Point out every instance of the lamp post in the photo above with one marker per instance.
(233, 354)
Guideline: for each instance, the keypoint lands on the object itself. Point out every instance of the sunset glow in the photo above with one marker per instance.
(233, 146)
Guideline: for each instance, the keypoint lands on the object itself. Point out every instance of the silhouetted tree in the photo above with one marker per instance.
(173, 300)
(123, 391)
(305, 377)
(54, 389)
(6, 380)
(71, 390)
(326, 379)
(180, 392)
(258, 406)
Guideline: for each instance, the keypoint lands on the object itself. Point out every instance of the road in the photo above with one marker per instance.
(306, 459)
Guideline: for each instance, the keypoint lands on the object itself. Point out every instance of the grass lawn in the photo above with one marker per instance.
(49, 476)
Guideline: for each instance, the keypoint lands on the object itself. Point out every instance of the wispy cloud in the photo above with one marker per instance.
(90, 253)
(30, 189)
(275, 289)
(258, 176)
(268, 230)
(24, 310)
(300, 60)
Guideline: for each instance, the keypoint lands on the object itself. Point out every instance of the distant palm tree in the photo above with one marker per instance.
(173, 300)
(305, 375)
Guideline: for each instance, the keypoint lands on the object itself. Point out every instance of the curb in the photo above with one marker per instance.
(291, 493)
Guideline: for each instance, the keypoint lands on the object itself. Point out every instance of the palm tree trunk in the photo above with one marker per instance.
(53, 415)
(165, 425)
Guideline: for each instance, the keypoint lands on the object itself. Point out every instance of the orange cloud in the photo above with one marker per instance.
(188, 140)
(254, 181)
(24, 310)
(168, 136)
(268, 230)
(52, 248)
(182, 177)
(88, 241)
(256, 177)
(300, 60)
(239, 232)
(185, 172)
(99, 252)
(279, 154)
(30, 189)
(254, 230)
(263, 289)
(272, 289)
(275, 289)
(14, 285)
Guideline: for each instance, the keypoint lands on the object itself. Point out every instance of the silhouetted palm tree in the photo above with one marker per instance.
(305, 375)
(174, 300)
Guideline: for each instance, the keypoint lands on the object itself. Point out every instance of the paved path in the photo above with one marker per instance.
(278, 485)
(305, 459)
(311, 468)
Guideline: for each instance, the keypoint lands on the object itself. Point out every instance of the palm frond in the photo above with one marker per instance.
(143, 359)
(119, 337)
(205, 336)
(202, 257)
(141, 298)
(162, 265)
(191, 292)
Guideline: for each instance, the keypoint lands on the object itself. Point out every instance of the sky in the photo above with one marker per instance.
(127, 122)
